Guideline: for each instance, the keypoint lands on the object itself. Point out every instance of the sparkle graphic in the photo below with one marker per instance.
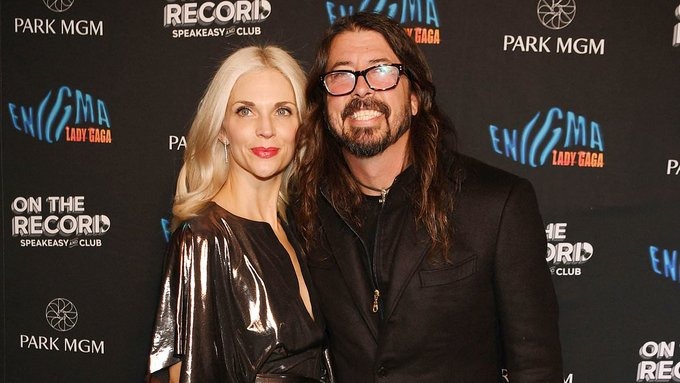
(556, 14)
(58, 5)
(61, 314)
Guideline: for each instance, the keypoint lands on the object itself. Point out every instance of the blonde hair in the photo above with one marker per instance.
(205, 170)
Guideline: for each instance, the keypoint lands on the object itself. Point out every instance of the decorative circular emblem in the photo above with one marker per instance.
(61, 314)
(556, 14)
(58, 5)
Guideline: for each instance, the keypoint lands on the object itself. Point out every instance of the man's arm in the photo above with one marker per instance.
(527, 305)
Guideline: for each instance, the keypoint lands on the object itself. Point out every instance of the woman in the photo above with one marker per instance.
(234, 303)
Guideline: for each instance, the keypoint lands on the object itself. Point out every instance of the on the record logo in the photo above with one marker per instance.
(565, 257)
(65, 217)
(61, 315)
(657, 363)
(209, 19)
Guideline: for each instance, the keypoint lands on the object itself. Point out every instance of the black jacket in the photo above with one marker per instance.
(492, 307)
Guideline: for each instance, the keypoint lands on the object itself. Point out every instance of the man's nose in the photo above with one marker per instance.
(362, 89)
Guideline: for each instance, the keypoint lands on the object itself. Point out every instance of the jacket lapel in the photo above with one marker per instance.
(347, 249)
(410, 251)
(409, 244)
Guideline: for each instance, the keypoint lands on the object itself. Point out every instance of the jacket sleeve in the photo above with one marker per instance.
(526, 301)
(187, 326)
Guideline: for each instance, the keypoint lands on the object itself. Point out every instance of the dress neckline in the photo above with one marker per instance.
(312, 317)
(238, 217)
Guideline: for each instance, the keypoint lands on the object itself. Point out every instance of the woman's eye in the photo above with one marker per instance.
(243, 111)
(283, 112)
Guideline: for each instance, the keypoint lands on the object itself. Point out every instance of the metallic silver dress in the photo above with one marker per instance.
(230, 306)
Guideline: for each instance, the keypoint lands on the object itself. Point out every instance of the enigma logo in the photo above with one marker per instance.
(82, 117)
(665, 263)
(403, 11)
(552, 138)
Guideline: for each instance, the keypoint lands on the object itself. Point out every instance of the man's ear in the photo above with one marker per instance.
(415, 104)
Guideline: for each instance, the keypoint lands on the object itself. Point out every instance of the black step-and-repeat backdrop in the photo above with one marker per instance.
(582, 97)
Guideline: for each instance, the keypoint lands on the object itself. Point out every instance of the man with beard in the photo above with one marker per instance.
(429, 266)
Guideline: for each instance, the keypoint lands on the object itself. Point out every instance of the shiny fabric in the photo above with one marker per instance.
(230, 305)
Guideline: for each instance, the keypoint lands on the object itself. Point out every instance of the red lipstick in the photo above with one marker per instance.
(265, 152)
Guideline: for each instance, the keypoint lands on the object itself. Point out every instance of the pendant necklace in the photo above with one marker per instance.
(383, 192)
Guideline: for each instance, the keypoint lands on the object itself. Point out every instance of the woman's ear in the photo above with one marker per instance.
(222, 137)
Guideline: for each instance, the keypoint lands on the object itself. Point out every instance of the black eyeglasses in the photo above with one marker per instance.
(378, 77)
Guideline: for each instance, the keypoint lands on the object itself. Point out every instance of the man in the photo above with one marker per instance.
(429, 266)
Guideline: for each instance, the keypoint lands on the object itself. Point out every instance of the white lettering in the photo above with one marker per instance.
(657, 350)
(673, 164)
(580, 46)
(26, 205)
(239, 11)
(36, 225)
(556, 231)
(177, 142)
(82, 27)
(84, 346)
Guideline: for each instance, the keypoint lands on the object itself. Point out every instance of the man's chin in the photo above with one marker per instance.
(364, 149)
(361, 130)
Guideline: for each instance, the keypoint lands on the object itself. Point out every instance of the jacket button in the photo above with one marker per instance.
(382, 371)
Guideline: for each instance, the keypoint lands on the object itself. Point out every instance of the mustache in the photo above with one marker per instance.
(356, 105)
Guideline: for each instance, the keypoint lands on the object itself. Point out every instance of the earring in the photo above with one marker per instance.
(226, 153)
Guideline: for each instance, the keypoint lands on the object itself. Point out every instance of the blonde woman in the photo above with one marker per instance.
(234, 305)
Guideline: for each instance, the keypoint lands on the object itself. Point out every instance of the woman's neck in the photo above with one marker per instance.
(250, 198)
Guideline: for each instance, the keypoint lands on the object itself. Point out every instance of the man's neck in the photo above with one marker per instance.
(379, 171)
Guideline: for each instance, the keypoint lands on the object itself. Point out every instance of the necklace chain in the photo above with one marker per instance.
(383, 191)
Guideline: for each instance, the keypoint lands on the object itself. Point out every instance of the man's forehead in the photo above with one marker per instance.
(369, 47)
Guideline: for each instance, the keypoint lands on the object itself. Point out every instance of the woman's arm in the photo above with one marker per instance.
(174, 371)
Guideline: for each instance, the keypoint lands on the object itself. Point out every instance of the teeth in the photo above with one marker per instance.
(366, 114)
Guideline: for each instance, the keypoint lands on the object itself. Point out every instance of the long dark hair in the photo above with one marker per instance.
(324, 163)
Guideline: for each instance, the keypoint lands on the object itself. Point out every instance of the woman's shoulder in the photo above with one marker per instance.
(209, 220)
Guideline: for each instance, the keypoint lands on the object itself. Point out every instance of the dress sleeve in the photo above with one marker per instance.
(526, 298)
(188, 327)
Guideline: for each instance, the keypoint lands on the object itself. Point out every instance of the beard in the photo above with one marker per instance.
(365, 142)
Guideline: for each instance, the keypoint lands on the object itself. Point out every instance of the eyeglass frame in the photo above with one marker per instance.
(362, 73)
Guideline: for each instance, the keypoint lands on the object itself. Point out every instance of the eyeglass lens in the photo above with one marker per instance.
(381, 77)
